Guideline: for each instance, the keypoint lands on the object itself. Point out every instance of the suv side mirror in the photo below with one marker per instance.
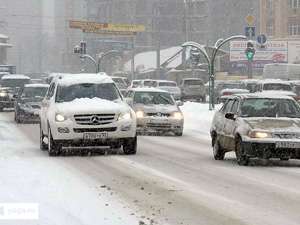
(230, 116)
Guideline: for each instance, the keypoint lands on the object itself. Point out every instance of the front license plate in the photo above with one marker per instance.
(94, 136)
(287, 144)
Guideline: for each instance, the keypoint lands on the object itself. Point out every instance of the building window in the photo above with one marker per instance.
(294, 4)
(294, 29)
(270, 30)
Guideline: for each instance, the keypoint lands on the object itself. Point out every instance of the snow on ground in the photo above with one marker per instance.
(64, 196)
(197, 119)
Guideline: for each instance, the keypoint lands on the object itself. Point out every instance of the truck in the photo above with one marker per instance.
(283, 71)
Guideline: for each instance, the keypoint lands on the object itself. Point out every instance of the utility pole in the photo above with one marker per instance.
(158, 45)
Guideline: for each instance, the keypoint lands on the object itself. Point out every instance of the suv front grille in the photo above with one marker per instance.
(94, 119)
(96, 130)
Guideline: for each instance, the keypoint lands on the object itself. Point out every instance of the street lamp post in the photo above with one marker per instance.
(101, 56)
(211, 61)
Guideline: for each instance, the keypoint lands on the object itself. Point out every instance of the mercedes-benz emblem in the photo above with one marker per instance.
(95, 119)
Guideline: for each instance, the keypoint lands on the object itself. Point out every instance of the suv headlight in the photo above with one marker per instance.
(60, 118)
(177, 115)
(139, 114)
(259, 134)
(125, 116)
(3, 94)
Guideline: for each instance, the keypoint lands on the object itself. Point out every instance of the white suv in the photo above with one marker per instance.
(86, 111)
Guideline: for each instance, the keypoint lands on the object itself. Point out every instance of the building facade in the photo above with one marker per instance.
(280, 19)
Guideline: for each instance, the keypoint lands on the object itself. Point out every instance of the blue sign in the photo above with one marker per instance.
(250, 32)
(261, 39)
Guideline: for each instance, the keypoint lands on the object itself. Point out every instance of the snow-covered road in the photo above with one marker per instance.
(170, 181)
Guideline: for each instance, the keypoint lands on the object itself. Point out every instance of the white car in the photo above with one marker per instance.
(156, 111)
(171, 87)
(86, 111)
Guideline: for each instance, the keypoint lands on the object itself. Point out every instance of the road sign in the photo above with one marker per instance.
(106, 28)
(250, 20)
(261, 39)
(250, 32)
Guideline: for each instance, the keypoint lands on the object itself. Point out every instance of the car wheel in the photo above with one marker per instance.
(218, 151)
(53, 147)
(242, 159)
(43, 146)
(130, 146)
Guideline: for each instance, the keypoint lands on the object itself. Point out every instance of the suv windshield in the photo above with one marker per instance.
(277, 87)
(106, 91)
(193, 82)
(270, 108)
(153, 98)
(34, 92)
(167, 84)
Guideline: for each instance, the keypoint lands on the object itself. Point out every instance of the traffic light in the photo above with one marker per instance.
(83, 47)
(250, 51)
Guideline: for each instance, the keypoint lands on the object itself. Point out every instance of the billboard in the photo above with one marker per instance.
(275, 51)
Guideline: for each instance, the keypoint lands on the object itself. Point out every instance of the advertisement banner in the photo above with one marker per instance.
(274, 51)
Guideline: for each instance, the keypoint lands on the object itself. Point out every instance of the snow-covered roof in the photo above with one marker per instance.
(15, 76)
(3, 36)
(147, 60)
(148, 90)
(37, 85)
(275, 92)
(264, 95)
(168, 81)
(73, 79)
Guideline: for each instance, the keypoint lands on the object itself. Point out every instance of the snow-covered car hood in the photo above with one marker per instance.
(235, 91)
(274, 124)
(157, 108)
(91, 106)
(284, 93)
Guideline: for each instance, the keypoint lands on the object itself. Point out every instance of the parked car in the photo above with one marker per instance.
(171, 87)
(229, 87)
(86, 111)
(257, 126)
(156, 111)
(10, 85)
(28, 102)
(136, 83)
(193, 89)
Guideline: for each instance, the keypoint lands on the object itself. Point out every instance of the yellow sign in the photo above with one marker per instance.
(106, 28)
(250, 20)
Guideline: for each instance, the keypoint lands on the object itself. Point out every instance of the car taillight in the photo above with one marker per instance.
(227, 93)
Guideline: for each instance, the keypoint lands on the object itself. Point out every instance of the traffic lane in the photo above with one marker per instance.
(186, 163)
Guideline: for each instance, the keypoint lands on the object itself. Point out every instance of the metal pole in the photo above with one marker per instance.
(158, 44)
(250, 70)
(133, 59)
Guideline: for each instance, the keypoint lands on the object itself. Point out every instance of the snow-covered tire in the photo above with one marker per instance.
(53, 147)
(242, 159)
(43, 146)
(218, 151)
(130, 146)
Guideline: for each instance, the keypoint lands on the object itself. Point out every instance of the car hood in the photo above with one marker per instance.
(156, 108)
(274, 124)
(92, 106)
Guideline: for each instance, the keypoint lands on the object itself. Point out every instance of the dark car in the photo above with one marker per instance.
(28, 102)
(257, 126)
(10, 85)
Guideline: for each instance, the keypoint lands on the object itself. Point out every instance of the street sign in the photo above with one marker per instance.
(250, 32)
(261, 39)
(106, 28)
(250, 20)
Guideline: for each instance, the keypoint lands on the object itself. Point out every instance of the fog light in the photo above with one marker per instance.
(63, 130)
(126, 128)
